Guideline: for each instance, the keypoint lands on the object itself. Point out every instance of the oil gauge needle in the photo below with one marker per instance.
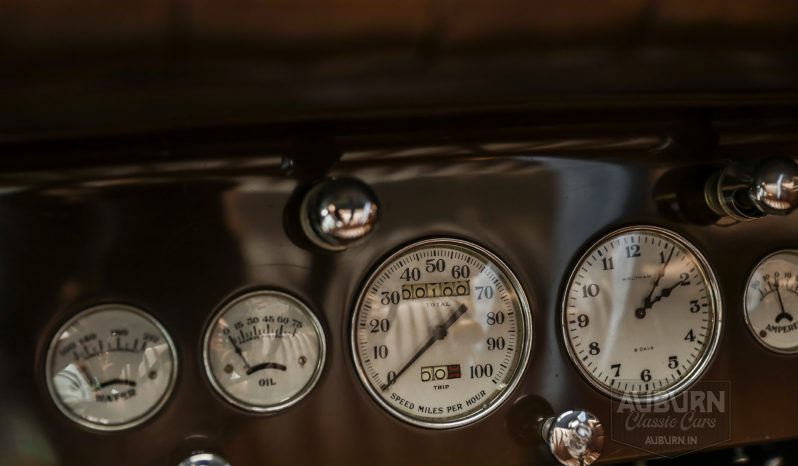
(240, 354)
(439, 332)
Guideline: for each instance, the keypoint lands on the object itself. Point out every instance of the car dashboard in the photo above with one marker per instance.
(451, 233)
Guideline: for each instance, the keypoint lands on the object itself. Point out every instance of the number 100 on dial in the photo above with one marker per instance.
(441, 333)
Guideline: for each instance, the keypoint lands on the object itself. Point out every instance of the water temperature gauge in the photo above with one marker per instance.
(771, 302)
(264, 351)
(111, 367)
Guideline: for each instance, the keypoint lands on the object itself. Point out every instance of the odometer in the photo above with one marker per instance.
(641, 313)
(441, 333)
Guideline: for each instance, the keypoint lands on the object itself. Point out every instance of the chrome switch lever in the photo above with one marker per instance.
(574, 437)
(747, 191)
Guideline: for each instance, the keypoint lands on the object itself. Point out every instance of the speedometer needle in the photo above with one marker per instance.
(438, 333)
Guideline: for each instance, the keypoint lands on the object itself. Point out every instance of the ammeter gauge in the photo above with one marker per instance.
(264, 351)
(771, 302)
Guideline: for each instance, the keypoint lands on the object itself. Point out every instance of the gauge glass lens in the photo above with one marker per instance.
(264, 351)
(641, 314)
(441, 333)
(111, 367)
(771, 302)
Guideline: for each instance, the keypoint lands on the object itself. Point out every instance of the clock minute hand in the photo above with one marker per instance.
(439, 332)
(640, 312)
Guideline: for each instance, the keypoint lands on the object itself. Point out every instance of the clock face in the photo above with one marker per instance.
(641, 314)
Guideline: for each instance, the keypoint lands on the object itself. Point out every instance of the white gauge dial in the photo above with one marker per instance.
(111, 367)
(641, 314)
(441, 333)
(771, 302)
(264, 351)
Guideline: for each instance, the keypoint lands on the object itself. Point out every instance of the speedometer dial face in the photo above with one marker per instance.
(641, 314)
(264, 351)
(771, 302)
(441, 333)
(111, 367)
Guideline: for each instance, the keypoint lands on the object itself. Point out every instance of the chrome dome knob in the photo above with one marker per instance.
(749, 190)
(775, 189)
(575, 438)
(204, 459)
(338, 212)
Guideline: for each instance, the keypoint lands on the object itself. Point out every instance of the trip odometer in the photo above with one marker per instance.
(441, 333)
(641, 313)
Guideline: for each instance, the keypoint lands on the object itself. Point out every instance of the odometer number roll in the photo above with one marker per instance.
(441, 333)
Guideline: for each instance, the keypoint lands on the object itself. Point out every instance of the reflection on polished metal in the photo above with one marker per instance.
(745, 191)
(338, 212)
(575, 438)
(204, 459)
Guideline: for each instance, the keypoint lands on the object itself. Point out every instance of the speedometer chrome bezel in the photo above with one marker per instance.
(298, 396)
(155, 409)
(524, 353)
(710, 278)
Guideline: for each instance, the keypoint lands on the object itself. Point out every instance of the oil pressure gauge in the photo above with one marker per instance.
(771, 301)
(441, 333)
(111, 367)
(264, 351)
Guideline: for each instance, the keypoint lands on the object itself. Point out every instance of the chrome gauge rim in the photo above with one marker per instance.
(111, 427)
(748, 323)
(526, 321)
(301, 394)
(710, 350)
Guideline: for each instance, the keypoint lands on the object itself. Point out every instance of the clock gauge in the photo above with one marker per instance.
(641, 313)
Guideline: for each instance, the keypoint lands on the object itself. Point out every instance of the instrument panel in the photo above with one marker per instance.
(460, 319)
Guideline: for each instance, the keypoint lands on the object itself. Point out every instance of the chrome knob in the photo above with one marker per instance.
(747, 191)
(775, 186)
(574, 437)
(339, 212)
(204, 459)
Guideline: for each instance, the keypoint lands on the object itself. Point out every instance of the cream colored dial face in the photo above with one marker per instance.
(771, 302)
(264, 351)
(641, 315)
(441, 333)
(111, 367)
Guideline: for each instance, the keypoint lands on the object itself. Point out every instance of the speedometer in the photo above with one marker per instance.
(441, 333)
